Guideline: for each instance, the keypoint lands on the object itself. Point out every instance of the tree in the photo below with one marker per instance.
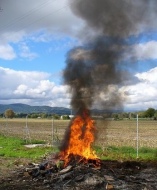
(9, 113)
(150, 112)
(34, 115)
(155, 115)
(65, 117)
(141, 114)
(55, 116)
(115, 116)
(44, 115)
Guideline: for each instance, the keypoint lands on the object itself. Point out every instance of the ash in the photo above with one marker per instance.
(110, 175)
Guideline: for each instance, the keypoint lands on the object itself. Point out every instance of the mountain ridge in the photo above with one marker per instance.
(25, 108)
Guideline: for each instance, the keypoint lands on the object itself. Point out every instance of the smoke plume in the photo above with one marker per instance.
(117, 18)
(94, 71)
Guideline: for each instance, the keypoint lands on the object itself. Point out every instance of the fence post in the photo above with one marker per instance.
(6, 125)
(27, 132)
(137, 137)
(52, 131)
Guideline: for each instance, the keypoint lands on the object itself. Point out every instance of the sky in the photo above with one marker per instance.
(35, 38)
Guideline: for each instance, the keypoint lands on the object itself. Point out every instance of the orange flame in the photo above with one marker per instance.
(81, 138)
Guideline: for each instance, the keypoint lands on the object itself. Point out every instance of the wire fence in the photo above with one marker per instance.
(134, 133)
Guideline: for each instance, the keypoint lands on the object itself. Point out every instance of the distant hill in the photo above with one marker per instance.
(24, 108)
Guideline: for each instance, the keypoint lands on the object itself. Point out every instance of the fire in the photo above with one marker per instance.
(82, 132)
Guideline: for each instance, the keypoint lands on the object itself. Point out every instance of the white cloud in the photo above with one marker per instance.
(7, 52)
(25, 52)
(33, 88)
(139, 51)
(143, 94)
(41, 36)
(149, 76)
(21, 89)
(146, 50)
(12, 36)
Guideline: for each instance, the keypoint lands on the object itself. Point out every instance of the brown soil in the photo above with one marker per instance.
(111, 175)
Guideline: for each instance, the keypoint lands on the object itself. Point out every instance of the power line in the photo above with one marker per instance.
(29, 14)
(49, 14)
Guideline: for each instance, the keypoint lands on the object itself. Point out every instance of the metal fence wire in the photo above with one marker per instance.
(134, 133)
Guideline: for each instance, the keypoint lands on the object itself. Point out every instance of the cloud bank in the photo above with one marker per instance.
(36, 88)
(31, 88)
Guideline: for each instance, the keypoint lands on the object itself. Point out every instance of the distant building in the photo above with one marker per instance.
(71, 116)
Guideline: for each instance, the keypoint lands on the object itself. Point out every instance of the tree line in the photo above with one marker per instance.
(9, 113)
(149, 113)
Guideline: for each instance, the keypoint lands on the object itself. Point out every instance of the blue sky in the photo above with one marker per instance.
(48, 56)
(34, 41)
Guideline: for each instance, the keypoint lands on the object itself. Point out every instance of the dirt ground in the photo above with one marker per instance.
(111, 175)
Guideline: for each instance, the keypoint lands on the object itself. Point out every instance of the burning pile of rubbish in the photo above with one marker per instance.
(77, 144)
(109, 175)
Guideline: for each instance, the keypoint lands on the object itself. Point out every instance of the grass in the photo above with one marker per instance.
(127, 153)
(14, 147)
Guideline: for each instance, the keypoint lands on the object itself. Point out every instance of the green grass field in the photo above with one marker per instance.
(14, 147)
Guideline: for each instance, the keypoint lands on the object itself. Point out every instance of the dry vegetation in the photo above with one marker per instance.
(117, 133)
(124, 133)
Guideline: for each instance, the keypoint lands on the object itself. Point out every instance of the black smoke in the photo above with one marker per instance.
(94, 71)
(117, 17)
(90, 72)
